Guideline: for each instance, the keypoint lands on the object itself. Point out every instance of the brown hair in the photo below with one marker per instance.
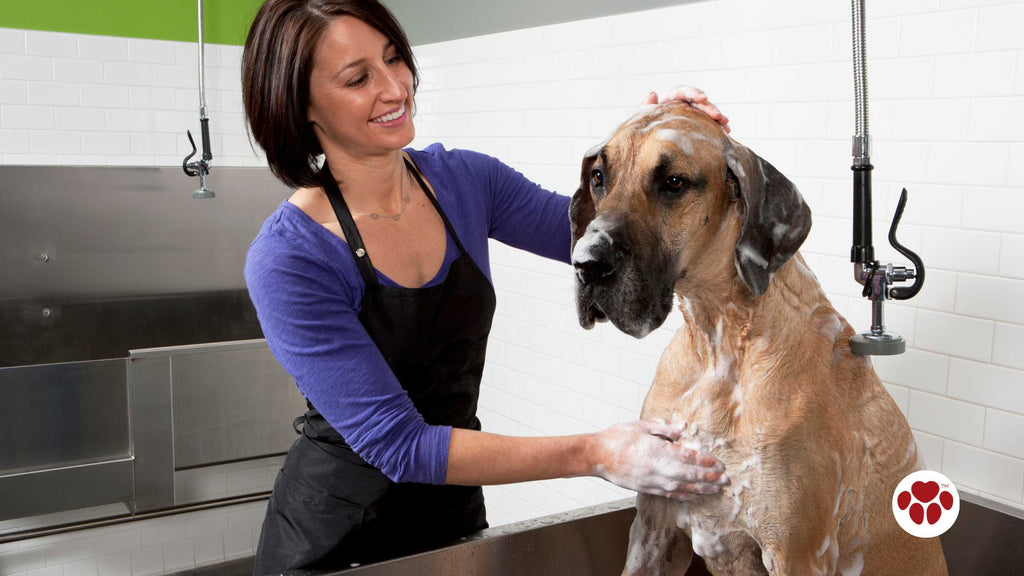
(276, 65)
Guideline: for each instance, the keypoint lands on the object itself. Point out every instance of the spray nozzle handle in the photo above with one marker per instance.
(184, 163)
(917, 273)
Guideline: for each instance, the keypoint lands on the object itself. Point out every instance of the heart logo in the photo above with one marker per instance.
(925, 491)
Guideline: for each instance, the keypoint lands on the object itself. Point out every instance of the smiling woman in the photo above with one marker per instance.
(361, 91)
(389, 354)
(284, 44)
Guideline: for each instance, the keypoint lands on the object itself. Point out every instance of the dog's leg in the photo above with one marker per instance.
(746, 559)
(780, 561)
(657, 546)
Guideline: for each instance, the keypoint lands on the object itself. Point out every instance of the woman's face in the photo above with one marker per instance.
(360, 91)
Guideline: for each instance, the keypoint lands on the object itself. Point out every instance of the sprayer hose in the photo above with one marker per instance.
(860, 70)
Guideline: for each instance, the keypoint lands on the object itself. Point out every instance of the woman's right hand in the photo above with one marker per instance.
(642, 456)
(694, 97)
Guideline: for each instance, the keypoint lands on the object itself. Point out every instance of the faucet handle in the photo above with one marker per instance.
(184, 163)
(917, 273)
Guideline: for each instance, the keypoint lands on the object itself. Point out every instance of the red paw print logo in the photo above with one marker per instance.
(925, 504)
(925, 492)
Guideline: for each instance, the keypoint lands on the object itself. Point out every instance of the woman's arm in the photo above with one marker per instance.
(636, 455)
(306, 310)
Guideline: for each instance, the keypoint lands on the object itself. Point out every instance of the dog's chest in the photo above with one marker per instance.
(722, 525)
(720, 411)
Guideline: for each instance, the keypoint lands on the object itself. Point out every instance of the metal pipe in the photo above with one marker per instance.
(877, 318)
(202, 74)
(204, 120)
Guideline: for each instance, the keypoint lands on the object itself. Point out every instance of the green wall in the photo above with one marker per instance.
(225, 21)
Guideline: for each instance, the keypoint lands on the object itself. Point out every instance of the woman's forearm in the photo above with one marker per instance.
(641, 456)
(480, 458)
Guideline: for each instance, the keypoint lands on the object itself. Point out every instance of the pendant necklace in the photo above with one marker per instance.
(395, 217)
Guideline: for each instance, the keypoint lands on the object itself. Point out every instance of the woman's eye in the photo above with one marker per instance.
(357, 81)
(393, 60)
(596, 179)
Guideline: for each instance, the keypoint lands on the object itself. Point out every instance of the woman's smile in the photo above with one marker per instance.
(394, 118)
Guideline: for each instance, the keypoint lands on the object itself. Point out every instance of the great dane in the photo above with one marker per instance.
(761, 368)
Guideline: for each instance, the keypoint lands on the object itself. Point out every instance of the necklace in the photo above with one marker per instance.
(395, 217)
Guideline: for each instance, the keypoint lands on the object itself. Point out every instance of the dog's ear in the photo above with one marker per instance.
(581, 208)
(776, 219)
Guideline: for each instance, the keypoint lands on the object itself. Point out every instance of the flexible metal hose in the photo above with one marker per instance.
(202, 75)
(860, 70)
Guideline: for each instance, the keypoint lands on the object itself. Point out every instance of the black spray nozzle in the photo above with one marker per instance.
(207, 150)
(862, 251)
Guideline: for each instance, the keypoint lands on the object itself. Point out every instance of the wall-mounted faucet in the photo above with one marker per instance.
(200, 167)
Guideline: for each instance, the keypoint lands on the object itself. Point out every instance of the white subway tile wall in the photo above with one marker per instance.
(946, 83)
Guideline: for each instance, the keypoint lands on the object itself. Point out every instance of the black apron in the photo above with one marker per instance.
(329, 508)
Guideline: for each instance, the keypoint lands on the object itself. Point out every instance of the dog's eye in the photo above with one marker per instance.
(596, 179)
(674, 184)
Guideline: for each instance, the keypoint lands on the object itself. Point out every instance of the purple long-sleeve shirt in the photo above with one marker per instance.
(307, 291)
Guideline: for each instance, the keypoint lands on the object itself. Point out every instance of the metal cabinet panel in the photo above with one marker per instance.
(232, 401)
(100, 260)
(104, 231)
(150, 385)
(59, 415)
(46, 491)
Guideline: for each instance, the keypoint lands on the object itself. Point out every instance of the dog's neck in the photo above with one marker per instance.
(723, 317)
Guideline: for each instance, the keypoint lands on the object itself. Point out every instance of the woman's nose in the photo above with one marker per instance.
(392, 87)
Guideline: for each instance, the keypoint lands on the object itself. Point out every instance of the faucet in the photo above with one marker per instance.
(200, 167)
(876, 277)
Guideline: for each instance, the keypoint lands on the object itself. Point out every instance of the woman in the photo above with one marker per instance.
(389, 351)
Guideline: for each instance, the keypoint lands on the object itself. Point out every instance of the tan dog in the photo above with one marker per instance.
(761, 369)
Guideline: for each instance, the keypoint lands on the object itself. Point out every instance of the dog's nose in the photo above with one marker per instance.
(597, 254)
(594, 271)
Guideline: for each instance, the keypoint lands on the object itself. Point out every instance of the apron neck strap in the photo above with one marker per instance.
(437, 206)
(348, 226)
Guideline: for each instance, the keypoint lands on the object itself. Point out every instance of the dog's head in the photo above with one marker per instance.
(670, 201)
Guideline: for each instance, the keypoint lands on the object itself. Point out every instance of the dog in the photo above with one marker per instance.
(761, 369)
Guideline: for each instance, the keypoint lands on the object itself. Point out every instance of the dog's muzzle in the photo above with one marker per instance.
(596, 264)
(615, 283)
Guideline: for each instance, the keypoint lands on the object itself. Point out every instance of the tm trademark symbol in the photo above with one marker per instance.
(945, 485)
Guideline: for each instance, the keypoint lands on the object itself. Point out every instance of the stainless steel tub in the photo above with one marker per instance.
(987, 540)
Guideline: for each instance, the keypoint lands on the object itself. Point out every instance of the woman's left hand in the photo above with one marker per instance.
(693, 96)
